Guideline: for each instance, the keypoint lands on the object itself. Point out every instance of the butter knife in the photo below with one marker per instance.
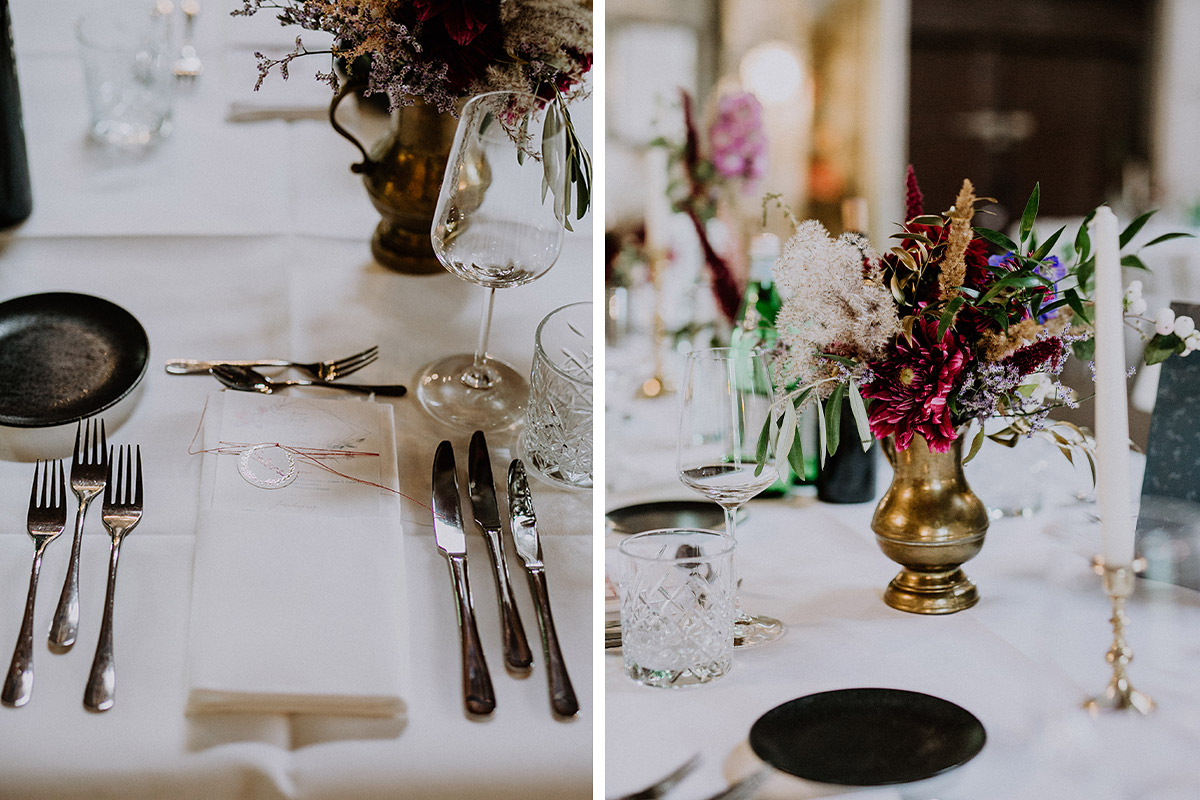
(487, 514)
(478, 695)
(523, 524)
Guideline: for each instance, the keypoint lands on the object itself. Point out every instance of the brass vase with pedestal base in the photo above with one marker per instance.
(930, 522)
(403, 175)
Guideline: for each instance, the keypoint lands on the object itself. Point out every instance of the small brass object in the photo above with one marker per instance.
(403, 176)
(930, 522)
(1119, 695)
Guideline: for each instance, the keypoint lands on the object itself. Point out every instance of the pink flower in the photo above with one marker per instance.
(912, 385)
(736, 140)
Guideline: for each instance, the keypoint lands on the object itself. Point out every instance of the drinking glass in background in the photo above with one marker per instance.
(727, 402)
(126, 54)
(558, 421)
(677, 606)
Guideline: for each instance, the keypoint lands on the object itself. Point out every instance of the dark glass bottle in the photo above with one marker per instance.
(16, 197)
(848, 475)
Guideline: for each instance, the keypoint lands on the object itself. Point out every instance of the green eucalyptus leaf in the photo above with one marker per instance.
(947, 318)
(1047, 246)
(1166, 237)
(833, 417)
(1131, 230)
(997, 238)
(795, 455)
(1133, 261)
(787, 434)
(820, 432)
(1030, 213)
(859, 409)
(760, 450)
(976, 443)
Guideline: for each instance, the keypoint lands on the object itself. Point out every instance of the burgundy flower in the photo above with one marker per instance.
(912, 385)
(463, 19)
(464, 35)
(1030, 358)
(914, 201)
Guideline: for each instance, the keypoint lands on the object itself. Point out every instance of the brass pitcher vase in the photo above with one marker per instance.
(930, 522)
(403, 176)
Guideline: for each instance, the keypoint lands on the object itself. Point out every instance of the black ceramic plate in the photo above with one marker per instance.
(66, 356)
(668, 514)
(867, 737)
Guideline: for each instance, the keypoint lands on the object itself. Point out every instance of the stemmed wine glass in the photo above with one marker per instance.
(727, 401)
(498, 223)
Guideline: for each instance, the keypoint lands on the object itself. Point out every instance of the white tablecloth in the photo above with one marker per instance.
(247, 240)
(1022, 660)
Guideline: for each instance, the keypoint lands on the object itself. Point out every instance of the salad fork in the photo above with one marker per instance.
(46, 520)
(89, 467)
(121, 512)
(321, 370)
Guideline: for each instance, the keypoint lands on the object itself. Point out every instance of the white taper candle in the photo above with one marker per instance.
(1112, 416)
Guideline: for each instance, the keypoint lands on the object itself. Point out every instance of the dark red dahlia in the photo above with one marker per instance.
(463, 19)
(465, 35)
(912, 385)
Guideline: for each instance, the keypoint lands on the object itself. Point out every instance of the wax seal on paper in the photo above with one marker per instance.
(267, 466)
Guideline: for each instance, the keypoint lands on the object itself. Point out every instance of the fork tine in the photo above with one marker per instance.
(102, 450)
(78, 434)
(370, 352)
(61, 505)
(33, 492)
(108, 481)
(137, 491)
(127, 485)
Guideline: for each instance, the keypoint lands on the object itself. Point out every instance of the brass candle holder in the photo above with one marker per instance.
(1119, 695)
(656, 385)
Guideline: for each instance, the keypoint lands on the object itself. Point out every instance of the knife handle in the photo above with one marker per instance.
(185, 366)
(562, 694)
(478, 695)
(517, 655)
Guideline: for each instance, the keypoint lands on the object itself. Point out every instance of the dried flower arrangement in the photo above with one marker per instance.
(938, 332)
(442, 51)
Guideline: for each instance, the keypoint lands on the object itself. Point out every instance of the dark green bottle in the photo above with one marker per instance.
(16, 197)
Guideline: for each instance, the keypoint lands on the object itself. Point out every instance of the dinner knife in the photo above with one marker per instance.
(487, 514)
(478, 695)
(523, 524)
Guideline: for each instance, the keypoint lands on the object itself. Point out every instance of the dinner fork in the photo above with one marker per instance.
(321, 370)
(121, 512)
(47, 518)
(88, 469)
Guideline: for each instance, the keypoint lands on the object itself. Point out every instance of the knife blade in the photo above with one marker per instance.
(523, 525)
(517, 656)
(478, 694)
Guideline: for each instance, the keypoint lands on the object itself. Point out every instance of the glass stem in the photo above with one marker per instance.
(480, 376)
(740, 616)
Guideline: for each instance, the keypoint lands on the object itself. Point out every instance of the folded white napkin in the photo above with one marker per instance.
(298, 591)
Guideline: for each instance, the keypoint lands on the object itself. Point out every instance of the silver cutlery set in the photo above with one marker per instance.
(245, 377)
(92, 472)
(478, 693)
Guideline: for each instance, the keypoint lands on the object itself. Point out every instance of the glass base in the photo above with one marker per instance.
(447, 397)
(751, 631)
